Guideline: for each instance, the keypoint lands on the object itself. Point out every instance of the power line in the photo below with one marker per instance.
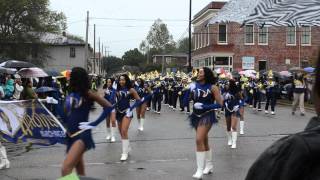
(137, 19)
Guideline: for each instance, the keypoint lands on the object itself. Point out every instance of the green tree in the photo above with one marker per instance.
(112, 64)
(21, 23)
(183, 45)
(159, 36)
(133, 58)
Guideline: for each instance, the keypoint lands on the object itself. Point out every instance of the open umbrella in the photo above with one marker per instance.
(295, 69)
(45, 89)
(32, 73)
(16, 64)
(7, 70)
(309, 69)
(285, 73)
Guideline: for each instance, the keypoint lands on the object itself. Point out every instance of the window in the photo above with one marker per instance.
(222, 61)
(222, 37)
(263, 36)
(291, 36)
(201, 39)
(249, 35)
(168, 60)
(306, 35)
(72, 52)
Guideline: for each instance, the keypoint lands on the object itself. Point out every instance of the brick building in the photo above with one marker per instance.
(232, 46)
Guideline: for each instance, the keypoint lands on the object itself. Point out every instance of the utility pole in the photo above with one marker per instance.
(86, 53)
(189, 55)
(99, 54)
(94, 49)
(100, 69)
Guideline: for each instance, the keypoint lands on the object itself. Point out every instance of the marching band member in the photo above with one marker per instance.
(157, 90)
(182, 92)
(78, 106)
(270, 86)
(109, 95)
(232, 102)
(123, 111)
(205, 93)
(257, 94)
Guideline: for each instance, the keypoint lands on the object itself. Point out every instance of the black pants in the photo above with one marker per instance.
(181, 103)
(257, 99)
(166, 96)
(249, 97)
(170, 98)
(271, 99)
(156, 102)
(174, 99)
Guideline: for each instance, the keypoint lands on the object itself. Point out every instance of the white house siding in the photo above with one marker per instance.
(60, 59)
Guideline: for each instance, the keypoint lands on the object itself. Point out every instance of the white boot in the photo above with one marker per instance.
(5, 164)
(234, 139)
(108, 137)
(229, 138)
(113, 138)
(241, 127)
(209, 165)
(200, 164)
(141, 124)
(125, 149)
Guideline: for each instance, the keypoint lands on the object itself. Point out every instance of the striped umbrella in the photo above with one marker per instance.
(285, 13)
(270, 12)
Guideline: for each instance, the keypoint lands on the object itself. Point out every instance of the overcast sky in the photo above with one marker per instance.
(122, 35)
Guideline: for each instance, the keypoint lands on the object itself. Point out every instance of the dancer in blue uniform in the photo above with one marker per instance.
(78, 106)
(141, 88)
(204, 94)
(110, 95)
(124, 112)
(232, 100)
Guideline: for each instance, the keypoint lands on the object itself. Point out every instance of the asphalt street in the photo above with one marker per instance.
(164, 151)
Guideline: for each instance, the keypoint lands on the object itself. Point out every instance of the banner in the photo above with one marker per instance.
(29, 121)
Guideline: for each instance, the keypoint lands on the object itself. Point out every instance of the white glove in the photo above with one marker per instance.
(198, 106)
(227, 96)
(236, 108)
(142, 99)
(192, 86)
(85, 126)
(51, 100)
(114, 85)
(129, 113)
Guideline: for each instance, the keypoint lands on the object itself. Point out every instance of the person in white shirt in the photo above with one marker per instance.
(18, 88)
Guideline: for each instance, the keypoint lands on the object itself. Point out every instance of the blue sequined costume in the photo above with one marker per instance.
(78, 112)
(202, 94)
(123, 103)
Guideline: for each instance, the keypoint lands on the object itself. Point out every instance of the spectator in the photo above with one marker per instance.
(18, 88)
(9, 87)
(299, 88)
(28, 92)
(1, 93)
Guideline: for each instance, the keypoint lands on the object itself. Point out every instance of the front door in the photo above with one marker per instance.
(262, 65)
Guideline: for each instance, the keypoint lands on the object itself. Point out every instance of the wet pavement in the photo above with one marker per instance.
(164, 151)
